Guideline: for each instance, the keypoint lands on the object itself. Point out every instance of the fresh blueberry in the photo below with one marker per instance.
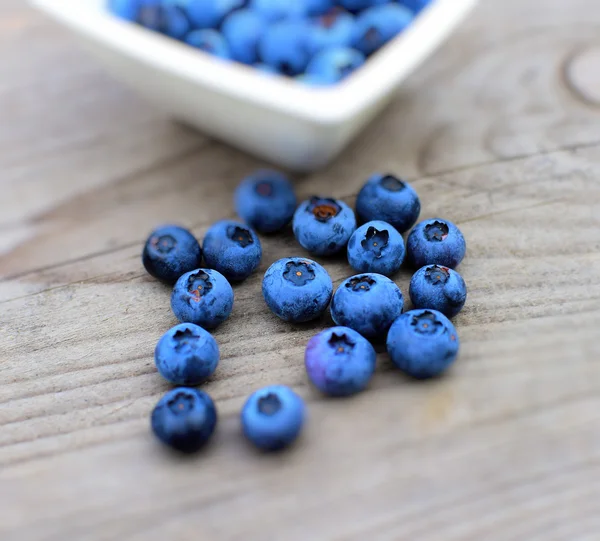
(318, 7)
(332, 29)
(439, 288)
(275, 10)
(272, 417)
(175, 22)
(266, 201)
(233, 249)
(378, 25)
(210, 13)
(335, 64)
(186, 355)
(323, 226)
(367, 303)
(376, 247)
(339, 361)
(125, 9)
(171, 251)
(359, 5)
(286, 46)
(151, 14)
(435, 242)
(297, 289)
(422, 343)
(415, 5)
(203, 297)
(210, 41)
(184, 419)
(387, 198)
(242, 30)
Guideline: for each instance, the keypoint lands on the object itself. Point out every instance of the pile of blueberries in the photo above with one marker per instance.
(340, 361)
(317, 41)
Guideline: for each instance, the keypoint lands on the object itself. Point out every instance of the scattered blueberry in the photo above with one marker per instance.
(203, 297)
(439, 288)
(423, 343)
(387, 198)
(171, 251)
(272, 417)
(275, 10)
(332, 29)
(286, 46)
(377, 25)
(297, 289)
(210, 13)
(367, 303)
(339, 361)
(186, 355)
(323, 226)
(266, 201)
(376, 247)
(184, 419)
(242, 30)
(435, 241)
(233, 249)
(209, 41)
(334, 64)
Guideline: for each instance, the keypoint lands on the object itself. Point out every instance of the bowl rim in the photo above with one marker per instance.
(322, 105)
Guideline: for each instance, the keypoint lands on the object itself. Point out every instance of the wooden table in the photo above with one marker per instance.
(500, 132)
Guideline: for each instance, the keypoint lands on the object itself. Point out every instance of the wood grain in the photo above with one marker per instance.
(500, 132)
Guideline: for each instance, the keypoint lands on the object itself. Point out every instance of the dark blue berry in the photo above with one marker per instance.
(186, 355)
(439, 288)
(339, 361)
(423, 343)
(286, 46)
(377, 25)
(170, 251)
(184, 419)
(435, 242)
(359, 5)
(376, 247)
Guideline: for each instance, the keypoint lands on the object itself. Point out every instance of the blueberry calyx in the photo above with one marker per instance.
(264, 189)
(181, 403)
(240, 235)
(183, 338)
(392, 183)
(323, 209)
(341, 343)
(436, 231)
(269, 405)
(437, 274)
(426, 323)
(199, 284)
(361, 283)
(299, 273)
(163, 244)
(375, 241)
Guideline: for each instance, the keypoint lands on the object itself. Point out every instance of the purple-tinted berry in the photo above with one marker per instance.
(323, 226)
(435, 242)
(376, 247)
(286, 46)
(335, 64)
(378, 25)
(367, 303)
(184, 419)
(423, 343)
(209, 41)
(339, 361)
(242, 30)
(387, 198)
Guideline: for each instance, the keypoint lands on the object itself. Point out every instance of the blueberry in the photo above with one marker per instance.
(367, 303)
(323, 226)
(265, 68)
(387, 198)
(125, 9)
(314, 80)
(376, 247)
(186, 355)
(332, 29)
(203, 297)
(339, 361)
(272, 417)
(150, 14)
(233, 249)
(171, 251)
(335, 64)
(266, 201)
(415, 5)
(378, 25)
(297, 289)
(175, 22)
(209, 41)
(286, 46)
(435, 241)
(210, 13)
(184, 419)
(439, 288)
(358, 5)
(275, 10)
(318, 7)
(423, 343)
(242, 30)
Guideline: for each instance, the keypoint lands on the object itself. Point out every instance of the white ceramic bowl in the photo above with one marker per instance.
(284, 122)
